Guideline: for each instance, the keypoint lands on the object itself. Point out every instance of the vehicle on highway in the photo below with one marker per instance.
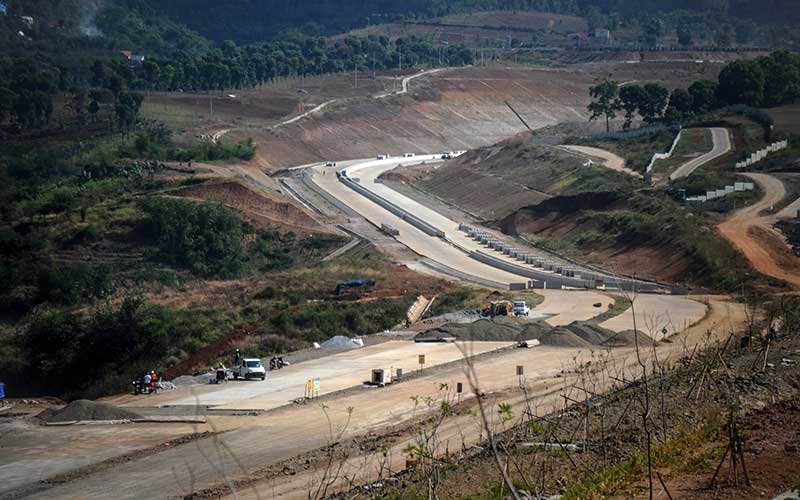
(250, 368)
(330, 164)
(384, 157)
(447, 156)
(521, 308)
(408, 155)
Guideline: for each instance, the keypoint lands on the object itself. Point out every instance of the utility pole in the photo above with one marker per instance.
(211, 105)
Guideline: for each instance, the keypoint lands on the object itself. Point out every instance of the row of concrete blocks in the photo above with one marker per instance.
(719, 193)
(762, 153)
(535, 260)
(415, 221)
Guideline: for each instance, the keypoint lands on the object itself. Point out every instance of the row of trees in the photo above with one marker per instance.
(767, 81)
(233, 66)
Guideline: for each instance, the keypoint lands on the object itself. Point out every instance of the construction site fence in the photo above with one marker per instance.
(633, 134)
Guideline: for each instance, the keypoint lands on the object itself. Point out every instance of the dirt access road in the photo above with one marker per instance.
(722, 144)
(753, 235)
(253, 450)
(605, 158)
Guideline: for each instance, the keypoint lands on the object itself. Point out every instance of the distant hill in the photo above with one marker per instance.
(258, 20)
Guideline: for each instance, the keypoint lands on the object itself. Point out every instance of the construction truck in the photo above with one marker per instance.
(497, 308)
(521, 308)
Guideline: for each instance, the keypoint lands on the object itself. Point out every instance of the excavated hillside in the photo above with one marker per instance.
(496, 181)
(442, 110)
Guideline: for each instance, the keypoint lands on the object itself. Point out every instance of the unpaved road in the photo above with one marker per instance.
(607, 158)
(722, 144)
(753, 234)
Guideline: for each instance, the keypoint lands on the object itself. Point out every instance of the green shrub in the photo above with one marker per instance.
(205, 238)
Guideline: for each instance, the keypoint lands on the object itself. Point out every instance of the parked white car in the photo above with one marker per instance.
(521, 308)
(408, 155)
(250, 368)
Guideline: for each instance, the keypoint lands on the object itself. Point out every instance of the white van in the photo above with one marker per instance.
(250, 368)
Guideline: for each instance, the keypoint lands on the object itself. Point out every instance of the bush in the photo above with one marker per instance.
(206, 238)
(100, 353)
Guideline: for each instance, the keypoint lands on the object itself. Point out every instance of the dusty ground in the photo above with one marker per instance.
(456, 109)
(255, 449)
(755, 237)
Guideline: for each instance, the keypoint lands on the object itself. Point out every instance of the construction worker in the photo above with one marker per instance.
(154, 382)
(146, 382)
(237, 361)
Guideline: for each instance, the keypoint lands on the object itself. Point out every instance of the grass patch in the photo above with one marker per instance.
(636, 151)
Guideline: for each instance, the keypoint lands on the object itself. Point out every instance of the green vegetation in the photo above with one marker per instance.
(765, 81)
(320, 321)
(77, 355)
(206, 239)
(637, 151)
(678, 453)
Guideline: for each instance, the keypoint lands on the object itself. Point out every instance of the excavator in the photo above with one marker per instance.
(497, 308)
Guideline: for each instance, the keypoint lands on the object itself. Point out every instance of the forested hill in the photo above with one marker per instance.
(258, 20)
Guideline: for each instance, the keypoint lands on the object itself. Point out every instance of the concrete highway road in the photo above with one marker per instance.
(722, 144)
(337, 372)
(421, 243)
(452, 253)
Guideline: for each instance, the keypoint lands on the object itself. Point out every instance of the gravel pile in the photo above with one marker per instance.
(339, 342)
(83, 409)
(509, 329)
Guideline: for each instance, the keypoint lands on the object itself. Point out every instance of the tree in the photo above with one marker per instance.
(127, 110)
(7, 98)
(684, 36)
(94, 107)
(78, 105)
(654, 102)
(681, 100)
(782, 78)
(631, 98)
(653, 29)
(704, 96)
(742, 82)
(606, 102)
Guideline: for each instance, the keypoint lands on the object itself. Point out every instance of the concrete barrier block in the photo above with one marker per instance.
(729, 189)
(710, 195)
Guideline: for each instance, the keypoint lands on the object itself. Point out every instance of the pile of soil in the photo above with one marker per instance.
(83, 409)
(340, 342)
(499, 329)
(576, 334)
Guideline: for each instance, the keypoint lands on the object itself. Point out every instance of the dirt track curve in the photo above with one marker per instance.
(754, 236)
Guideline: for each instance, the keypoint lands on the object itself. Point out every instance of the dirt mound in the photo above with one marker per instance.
(627, 339)
(83, 409)
(484, 330)
(576, 334)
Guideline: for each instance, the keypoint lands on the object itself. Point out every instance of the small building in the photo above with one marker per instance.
(602, 35)
(27, 20)
(135, 60)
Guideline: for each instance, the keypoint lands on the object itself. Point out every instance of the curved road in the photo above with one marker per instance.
(722, 144)
(739, 228)
(451, 251)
